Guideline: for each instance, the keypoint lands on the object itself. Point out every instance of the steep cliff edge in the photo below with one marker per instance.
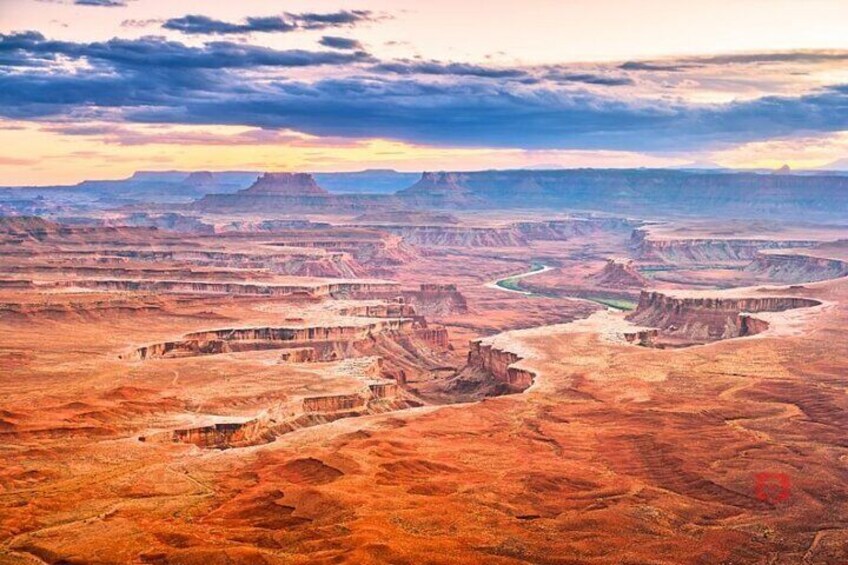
(796, 267)
(705, 249)
(699, 318)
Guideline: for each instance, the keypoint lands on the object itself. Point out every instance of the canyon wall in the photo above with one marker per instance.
(705, 250)
(709, 318)
(499, 364)
(313, 290)
(794, 268)
(645, 192)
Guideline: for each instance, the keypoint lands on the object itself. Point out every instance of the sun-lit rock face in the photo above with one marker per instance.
(286, 184)
(710, 318)
(500, 364)
(790, 267)
(619, 274)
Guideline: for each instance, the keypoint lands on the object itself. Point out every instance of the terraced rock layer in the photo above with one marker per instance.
(710, 318)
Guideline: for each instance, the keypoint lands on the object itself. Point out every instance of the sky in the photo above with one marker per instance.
(102, 88)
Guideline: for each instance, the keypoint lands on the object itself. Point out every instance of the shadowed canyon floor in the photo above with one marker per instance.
(352, 389)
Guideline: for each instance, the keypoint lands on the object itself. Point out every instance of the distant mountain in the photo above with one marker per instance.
(701, 165)
(643, 192)
(369, 181)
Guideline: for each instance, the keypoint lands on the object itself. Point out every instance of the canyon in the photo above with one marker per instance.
(271, 371)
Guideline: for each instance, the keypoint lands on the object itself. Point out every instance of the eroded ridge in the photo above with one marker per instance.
(327, 343)
(376, 396)
(702, 317)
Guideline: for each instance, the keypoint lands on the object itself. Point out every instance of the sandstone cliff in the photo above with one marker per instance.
(702, 319)
(619, 274)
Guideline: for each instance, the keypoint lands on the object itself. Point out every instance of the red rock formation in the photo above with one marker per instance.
(339, 289)
(708, 319)
(436, 300)
(384, 390)
(642, 337)
(438, 190)
(796, 268)
(285, 184)
(437, 337)
(705, 250)
(499, 364)
(333, 403)
(327, 343)
(452, 236)
(298, 355)
(573, 227)
(619, 274)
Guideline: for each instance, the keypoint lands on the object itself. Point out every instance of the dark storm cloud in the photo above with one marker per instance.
(152, 80)
(470, 113)
(526, 75)
(340, 42)
(101, 3)
(204, 25)
(332, 19)
(405, 67)
(156, 52)
(589, 78)
(196, 24)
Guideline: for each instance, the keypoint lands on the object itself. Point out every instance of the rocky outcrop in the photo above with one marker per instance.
(511, 235)
(374, 398)
(16, 283)
(705, 250)
(703, 319)
(334, 403)
(285, 185)
(500, 364)
(435, 337)
(440, 190)
(642, 337)
(619, 273)
(573, 227)
(284, 192)
(298, 355)
(794, 268)
(396, 309)
(318, 290)
(451, 236)
(327, 343)
(171, 222)
(436, 300)
(648, 192)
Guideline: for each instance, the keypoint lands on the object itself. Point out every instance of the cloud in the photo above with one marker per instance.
(160, 54)
(589, 78)
(137, 23)
(333, 19)
(653, 66)
(803, 56)
(196, 24)
(339, 42)
(101, 3)
(406, 67)
(204, 25)
(590, 107)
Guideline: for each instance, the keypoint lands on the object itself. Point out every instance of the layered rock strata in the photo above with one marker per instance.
(698, 318)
